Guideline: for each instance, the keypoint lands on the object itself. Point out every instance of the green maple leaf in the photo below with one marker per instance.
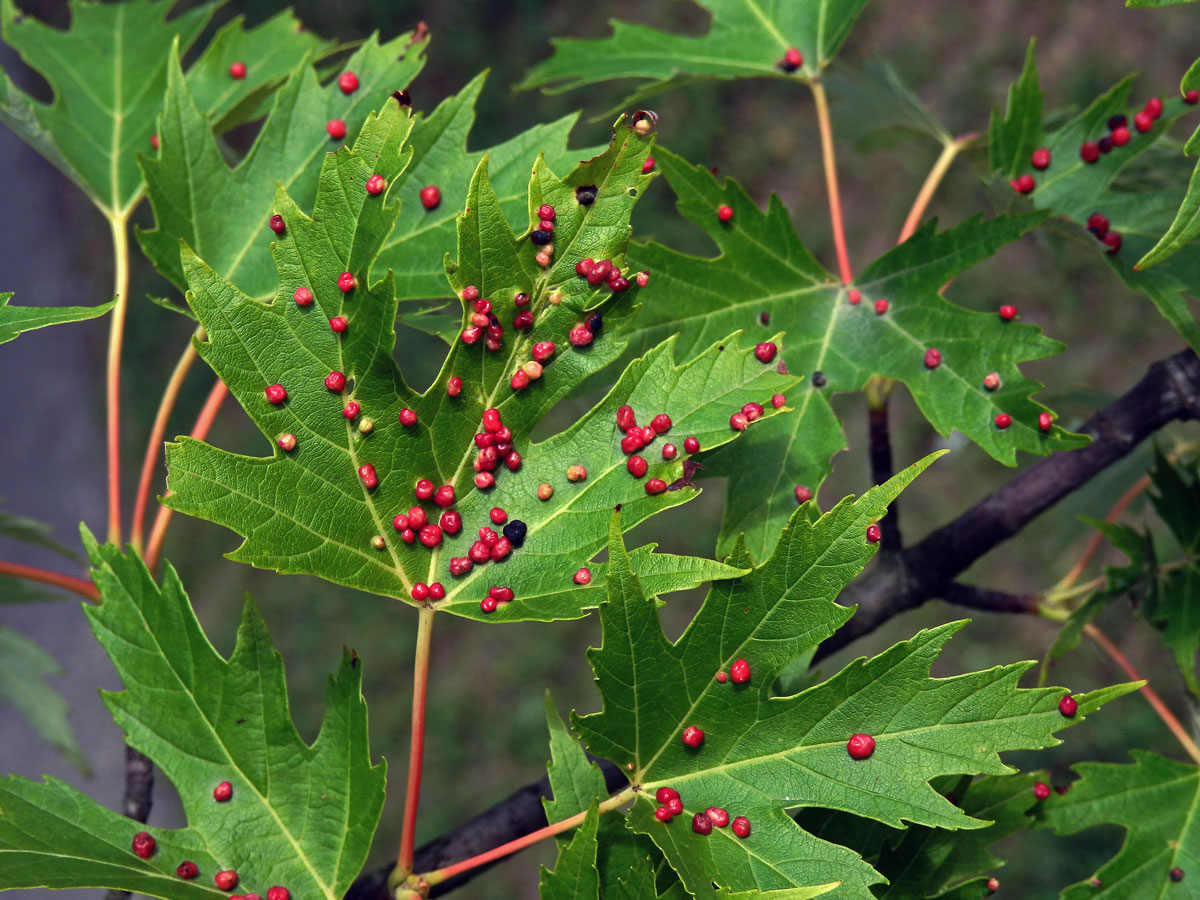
(1013, 136)
(762, 755)
(222, 212)
(1171, 605)
(1073, 189)
(748, 39)
(204, 720)
(24, 668)
(920, 862)
(108, 72)
(307, 511)
(763, 268)
(575, 876)
(1155, 800)
(14, 320)
(418, 242)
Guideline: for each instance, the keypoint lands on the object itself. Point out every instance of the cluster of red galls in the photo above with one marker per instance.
(484, 323)
(702, 823)
(415, 525)
(597, 273)
(637, 437)
(144, 846)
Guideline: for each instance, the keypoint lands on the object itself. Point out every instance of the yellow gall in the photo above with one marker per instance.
(533, 369)
(378, 542)
(576, 473)
(545, 492)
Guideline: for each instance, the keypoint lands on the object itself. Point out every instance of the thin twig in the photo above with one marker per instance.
(1148, 692)
(949, 152)
(829, 160)
(116, 336)
(416, 750)
(1097, 537)
(70, 583)
(154, 444)
(199, 431)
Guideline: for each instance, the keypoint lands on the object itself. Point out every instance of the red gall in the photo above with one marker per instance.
(1045, 421)
(154, 141)
(275, 393)
(408, 417)
(143, 844)
(223, 792)
(626, 418)
(721, 677)
(642, 279)
(655, 486)
(519, 380)
(543, 258)
(336, 382)
(338, 324)
(792, 59)
(351, 410)
(430, 536)
(226, 879)
(662, 814)
(470, 293)
(580, 335)
(648, 165)
(275, 223)
(636, 465)
(874, 534)
(669, 451)
(739, 421)
(692, 736)
(778, 400)
(739, 672)
(498, 515)
(417, 517)
(1143, 121)
(367, 475)
(1097, 224)
(691, 445)
(431, 196)
(419, 592)
(437, 591)
(860, 746)
(1191, 98)
(665, 794)
(1041, 790)
(187, 870)
(501, 593)
(1003, 420)
(546, 211)
(1008, 312)
(376, 184)
(702, 824)
(336, 129)
(1023, 184)
(854, 297)
(724, 213)
(576, 473)
(454, 386)
(881, 306)
(675, 806)
(451, 522)
(1176, 874)
(279, 893)
(444, 496)
(303, 296)
(1068, 706)
(423, 489)
(1120, 136)
(484, 480)
(991, 381)
(765, 351)
(717, 816)
(993, 885)
(488, 604)
(752, 411)
(933, 358)
(583, 576)
(545, 491)
(661, 423)
(347, 282)
(1040, 158)
(237, 70)
(740, 826)
(501, 549)
(348, 82)
(803, 493)
(1112, 240)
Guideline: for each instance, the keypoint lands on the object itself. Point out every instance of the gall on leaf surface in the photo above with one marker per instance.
(203, 719)
(763, 755)
(1073, 189)
(764, 268)
(1156, 801)
(307, 511)
(15, 320)
(108, 71)
(222, 212)
(747, 39)
(418, 242)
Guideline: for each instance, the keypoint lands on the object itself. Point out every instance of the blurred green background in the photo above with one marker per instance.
(487, 734)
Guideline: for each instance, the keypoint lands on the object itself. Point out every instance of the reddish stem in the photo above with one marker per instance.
(416, 750)
(45, 576)
(154, 444)
(1152, 698)
(831, 180)
(200, 430)
(1097, 537)
(439, 875)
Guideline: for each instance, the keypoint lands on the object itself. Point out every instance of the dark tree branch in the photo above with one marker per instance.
(879, 444)
(1169, 392)
(139, 789)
